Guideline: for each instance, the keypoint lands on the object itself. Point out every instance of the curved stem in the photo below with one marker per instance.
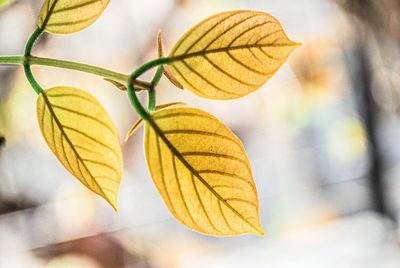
(27, 68)
(135, 74)
(32, 81)
(136, 103)
(31, 41)
(31, 60)
(149, 65)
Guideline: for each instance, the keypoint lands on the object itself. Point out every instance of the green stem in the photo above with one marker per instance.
(119, 77)
(32, 81)
(27, 53)
(131, 91)
(136, 103)
(31, 41)
(152, 91)
(149, 65)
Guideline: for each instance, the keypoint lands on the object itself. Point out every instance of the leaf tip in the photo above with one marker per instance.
(112, 200)
(160, 43)
(261, 232)
(114, 205)
(295, 44)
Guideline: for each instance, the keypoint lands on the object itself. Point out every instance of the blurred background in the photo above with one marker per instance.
(322, 136)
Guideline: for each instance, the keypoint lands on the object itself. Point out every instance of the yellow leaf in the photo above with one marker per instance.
(231, 54)
(69, 16)
(202, 172)
(83, 137)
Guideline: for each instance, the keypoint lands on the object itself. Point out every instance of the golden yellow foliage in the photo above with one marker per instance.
(202, 172)
(231, 54)
(69, 16)
(198, 165)
(83, 137)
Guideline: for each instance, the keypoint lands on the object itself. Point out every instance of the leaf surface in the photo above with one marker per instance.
(202, 172)
(231, 54)
(69, 16)
(83, 137)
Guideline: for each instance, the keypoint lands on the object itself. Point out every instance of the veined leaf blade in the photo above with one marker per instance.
(202, 172)
(83, 137)
(231, 54)
(69, 16)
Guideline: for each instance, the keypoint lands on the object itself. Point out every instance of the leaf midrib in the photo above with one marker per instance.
(48, 15)
(203, 53)
(172, 148)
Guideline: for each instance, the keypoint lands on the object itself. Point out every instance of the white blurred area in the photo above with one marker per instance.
(303, 133)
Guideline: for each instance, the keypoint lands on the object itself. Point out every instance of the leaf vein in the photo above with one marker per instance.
(227, 174)
(159, 117)
(242, 201)
(249, 30)
(75, 7)
(245, 65)
(92, 161)
(185, 204)
(65, 155)
(62, 95)
(90, 138)
(224, 217)
(200, 132)
(191, 31)
(206, 80)
(228, 29)
(70, 23)
(202, 205)
(86, 116)
(213, 27)
(227, 74)
(160, 162)
(218, 155)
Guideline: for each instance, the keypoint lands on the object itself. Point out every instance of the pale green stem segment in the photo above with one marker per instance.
(31, 60)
